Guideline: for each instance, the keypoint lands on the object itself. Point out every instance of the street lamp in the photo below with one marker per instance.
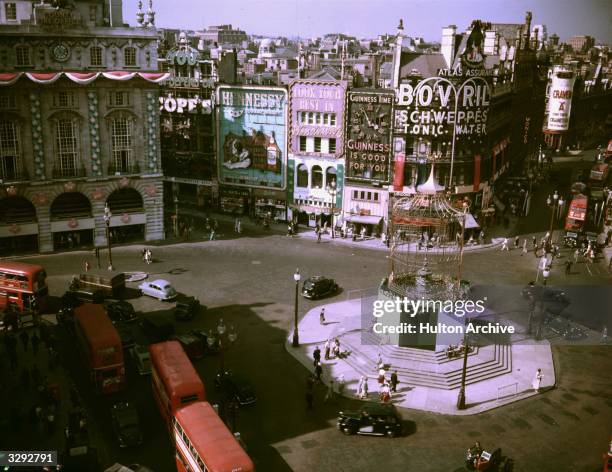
(107, 220)
(461, 397)
(176, 202)
(333, 191)
(296, 336)
(554, 203)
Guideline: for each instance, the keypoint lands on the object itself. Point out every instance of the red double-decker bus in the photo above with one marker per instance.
(101, 347)
(174, 380)
(203, 442)
(23, 287)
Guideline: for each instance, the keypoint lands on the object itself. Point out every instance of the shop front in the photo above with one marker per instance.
(270, 205)
(235, 200)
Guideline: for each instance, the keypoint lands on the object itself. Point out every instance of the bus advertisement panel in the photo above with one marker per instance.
(174, 380)
(101, 346)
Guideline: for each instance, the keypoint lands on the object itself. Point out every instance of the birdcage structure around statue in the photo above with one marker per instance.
(426, 244)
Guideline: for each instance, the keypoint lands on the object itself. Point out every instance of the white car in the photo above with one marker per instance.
(160, 289)
(142, 359)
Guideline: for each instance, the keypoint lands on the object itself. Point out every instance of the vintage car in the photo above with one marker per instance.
(319, 287)
(121, 311)
(160, 289)
(236, 387)
(126, 424)
(186, 308)
(372, 419)
(142, 358)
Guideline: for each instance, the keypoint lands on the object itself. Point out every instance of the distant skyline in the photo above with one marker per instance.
(369, 18)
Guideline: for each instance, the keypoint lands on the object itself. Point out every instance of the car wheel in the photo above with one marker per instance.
(347, 431)
(140, 292)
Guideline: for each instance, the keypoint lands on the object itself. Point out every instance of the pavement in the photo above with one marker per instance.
(509, 384)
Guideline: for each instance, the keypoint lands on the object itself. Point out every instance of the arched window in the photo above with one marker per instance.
(317, 177)
(330, 176)
(302, 176)
(10, 151)
(66, 147)
(121, 145)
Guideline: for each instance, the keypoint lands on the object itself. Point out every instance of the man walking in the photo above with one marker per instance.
(534, 241)
(537, 381)
(568, 267)
(318, 372)
(394, 381)
(316, 355)
(322, 316)
(516, 242)
(524, 247)
(327, 349)
(576, 255)
(505, 245)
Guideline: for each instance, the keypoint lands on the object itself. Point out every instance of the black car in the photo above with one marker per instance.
(209, 348)
(157, 327)
(121, 311)
(126, 424)
(373, 419)
(319, 287)
(186, 308)
(236, 387)
(82, 295)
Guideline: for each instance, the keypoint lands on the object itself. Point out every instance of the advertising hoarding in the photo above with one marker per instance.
(560, 99)
(368, 135)
(251, 124)
(317, 110)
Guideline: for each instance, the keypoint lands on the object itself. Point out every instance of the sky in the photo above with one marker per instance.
(368, 18)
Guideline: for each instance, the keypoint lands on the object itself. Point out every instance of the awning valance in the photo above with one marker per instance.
(470, 221)
(363, 219)
(82, 78)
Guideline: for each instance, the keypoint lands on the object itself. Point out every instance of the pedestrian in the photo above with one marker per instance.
(604, 335)
(212, 235)
(316, 355)
(568, 267)
(327, 349)
(537, 381)
(336, 348)
(318, 234)
(505, 245)
(87, 266)
(481, 237)
(318, 372)
(35, 343)
(363, 394)
(360, 385)
(322, 316)
(24, 339)
(394, 381)
(330, 392)
(381, 376)
(236, 225)
(577, 255)
(385, 393)
(516, 242)
(534, 241)
(239, 226)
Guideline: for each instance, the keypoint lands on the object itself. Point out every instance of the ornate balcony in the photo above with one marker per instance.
(68, 172)
(124, 170)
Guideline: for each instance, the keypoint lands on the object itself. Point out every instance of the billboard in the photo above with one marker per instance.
(252, 142)
(317, 111)
(560, 99)
(368, 135)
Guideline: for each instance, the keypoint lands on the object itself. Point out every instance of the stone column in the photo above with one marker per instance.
(97, 207)
(94, 134)
(37, 139)
(45, 237)
(154, 210)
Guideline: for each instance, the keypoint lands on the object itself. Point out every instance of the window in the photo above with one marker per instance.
(129, 56)
(302, 176)
(310, 118)
(375, 196)
(93, 13)
(362, 195)
(317, 144)
(303, 143)
(316, 118)
(317, 177)
(64, 99)
(95, 56)
(330, 176)
(188, 399)
(121, 141)
(10, 11)
(332, 145)
(8, 101)
(10, 150)
(118, 99)
(22, 55)
(66, 146)
(355, 194)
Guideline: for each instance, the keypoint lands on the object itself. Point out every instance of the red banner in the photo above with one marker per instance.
(398, 172)
(476, 172)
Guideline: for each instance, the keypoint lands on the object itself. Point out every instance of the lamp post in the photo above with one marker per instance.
(461, 396)
(554, 203)
(333, 191)
(296, 336)
(226, 406)
(107, 220)
(176, 202)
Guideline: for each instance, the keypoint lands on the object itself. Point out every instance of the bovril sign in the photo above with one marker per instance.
(181, 105)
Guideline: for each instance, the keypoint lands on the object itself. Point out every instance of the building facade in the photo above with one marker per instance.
(316, 150)
(73, 142)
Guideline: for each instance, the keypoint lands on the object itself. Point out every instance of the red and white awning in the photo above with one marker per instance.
(82, 78)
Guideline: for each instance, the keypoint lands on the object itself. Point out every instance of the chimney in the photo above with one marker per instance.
(374, 69)
(397, 55)
(315, 63)
(448, 44)
(527, 30)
